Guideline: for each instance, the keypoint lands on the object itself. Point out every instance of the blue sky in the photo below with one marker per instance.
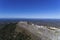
(30, 9)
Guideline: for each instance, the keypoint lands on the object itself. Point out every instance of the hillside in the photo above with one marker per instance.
(28, 31)
(9, 33)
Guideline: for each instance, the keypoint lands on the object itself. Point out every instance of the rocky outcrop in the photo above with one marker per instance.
(39, 32)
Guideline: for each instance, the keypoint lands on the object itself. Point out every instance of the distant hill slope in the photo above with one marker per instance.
(9, 33)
